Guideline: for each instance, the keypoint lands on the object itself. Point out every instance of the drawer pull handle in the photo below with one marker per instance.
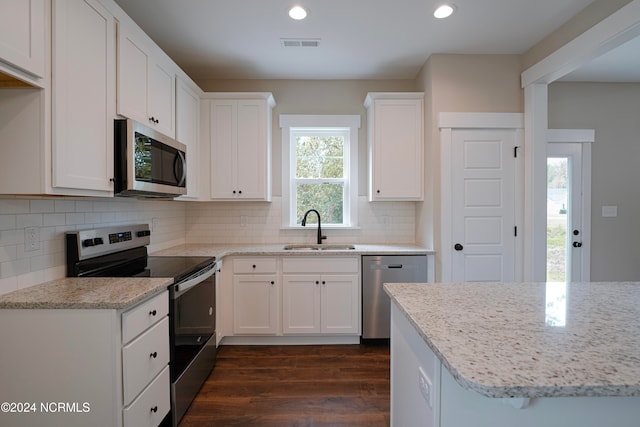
(154, 409)
(154, 354)
(152, 313)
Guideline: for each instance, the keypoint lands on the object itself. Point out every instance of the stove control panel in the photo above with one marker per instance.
(119, 237)
(85, 244)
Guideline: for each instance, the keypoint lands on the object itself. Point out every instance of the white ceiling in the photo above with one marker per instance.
(359, 39)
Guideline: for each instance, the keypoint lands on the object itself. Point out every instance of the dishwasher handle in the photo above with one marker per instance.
(394, 266)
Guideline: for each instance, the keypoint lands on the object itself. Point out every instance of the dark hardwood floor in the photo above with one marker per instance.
(280, 386)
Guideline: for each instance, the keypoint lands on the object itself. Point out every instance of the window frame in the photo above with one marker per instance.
(348, 123)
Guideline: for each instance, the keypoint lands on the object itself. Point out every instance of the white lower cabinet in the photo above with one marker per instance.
(256, 310)
(284, 297)
(107, 367)
(323, 300)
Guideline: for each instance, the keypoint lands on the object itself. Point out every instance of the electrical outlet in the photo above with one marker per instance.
(424, 383)
(155, 224)
(31, 239)
(244, 220)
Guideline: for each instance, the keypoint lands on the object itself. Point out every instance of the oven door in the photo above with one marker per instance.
(192, 337)
(192, 313)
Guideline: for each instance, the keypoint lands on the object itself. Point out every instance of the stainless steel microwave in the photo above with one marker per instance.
(147, 163)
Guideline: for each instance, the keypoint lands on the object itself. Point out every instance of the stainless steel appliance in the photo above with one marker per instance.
(147, 163)
(121, 251)
(376, 271)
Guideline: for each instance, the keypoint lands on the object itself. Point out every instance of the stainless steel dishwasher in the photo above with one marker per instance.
(376, 271)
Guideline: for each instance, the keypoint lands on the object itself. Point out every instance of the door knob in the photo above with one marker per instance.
(458, 247)
(577, 244)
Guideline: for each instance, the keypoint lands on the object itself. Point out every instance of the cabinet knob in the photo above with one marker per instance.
(154, 409)
(154, 355)
(253, 266)
(239, 191)
(458, 247)
(378, 191)
(273, 283)
(317, 282)
(152, 313)
(234, 191)
(324, 283)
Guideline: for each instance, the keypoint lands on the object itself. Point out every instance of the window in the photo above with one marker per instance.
(320, 169)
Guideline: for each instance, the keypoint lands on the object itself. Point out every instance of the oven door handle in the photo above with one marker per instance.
(183, 286)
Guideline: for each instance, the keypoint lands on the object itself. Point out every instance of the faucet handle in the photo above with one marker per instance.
(323, 237)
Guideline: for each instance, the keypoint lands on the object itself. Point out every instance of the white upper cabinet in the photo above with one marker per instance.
(187, 131)
(83, 95)
(240, 136)
(146, 84)
(22, 38)
(395, 146)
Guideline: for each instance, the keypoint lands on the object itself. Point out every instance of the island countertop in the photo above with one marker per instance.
(530, 339)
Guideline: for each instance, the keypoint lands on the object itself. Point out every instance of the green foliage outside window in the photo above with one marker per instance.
(320, 177)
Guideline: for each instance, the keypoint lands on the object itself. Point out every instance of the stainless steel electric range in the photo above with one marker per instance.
(121, 251)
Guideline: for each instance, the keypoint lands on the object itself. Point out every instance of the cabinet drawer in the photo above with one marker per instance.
(152, 405)
(143, 358)
(140, 318)
(319, 264)
(254, 265)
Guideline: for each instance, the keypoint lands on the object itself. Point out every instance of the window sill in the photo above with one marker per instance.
(324, 227)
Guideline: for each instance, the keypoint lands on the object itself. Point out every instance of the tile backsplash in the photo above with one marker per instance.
(261, 223)
(172, 223)
(52, 217)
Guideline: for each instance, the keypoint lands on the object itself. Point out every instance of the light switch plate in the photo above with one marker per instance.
(609, 211)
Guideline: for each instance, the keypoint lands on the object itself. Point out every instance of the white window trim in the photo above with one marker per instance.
(288, 121)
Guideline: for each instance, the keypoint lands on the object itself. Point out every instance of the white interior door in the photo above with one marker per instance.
(483, 177)
(568, 211)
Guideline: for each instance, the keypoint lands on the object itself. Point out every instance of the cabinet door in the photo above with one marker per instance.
(251, 149)
(397, 150)
(22, 35)
(340, 304)
(161, 103)
(187, 125)
(301, 304)
(83, 95)
(133, 60)
(223, 148)
(255, 304)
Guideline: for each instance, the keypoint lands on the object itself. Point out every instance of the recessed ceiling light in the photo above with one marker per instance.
(297, 13)
(444, 11)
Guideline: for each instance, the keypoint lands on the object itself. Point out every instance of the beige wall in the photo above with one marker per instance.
(613, 111)
(313, 97)
(587, 18)
(460, 83)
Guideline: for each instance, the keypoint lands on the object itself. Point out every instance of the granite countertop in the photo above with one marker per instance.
(121, 293)
(220, 251)
(531, 339)
(85, 293)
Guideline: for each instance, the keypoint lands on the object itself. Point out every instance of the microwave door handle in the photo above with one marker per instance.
(180, 158)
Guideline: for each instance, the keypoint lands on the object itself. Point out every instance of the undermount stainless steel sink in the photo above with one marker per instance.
(315, 247)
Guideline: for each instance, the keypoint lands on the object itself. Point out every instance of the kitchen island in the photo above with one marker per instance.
(515, 354)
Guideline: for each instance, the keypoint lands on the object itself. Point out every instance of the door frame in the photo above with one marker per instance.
(583, 137)
(447, 123)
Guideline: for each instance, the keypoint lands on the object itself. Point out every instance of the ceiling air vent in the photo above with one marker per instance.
(300, 42)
